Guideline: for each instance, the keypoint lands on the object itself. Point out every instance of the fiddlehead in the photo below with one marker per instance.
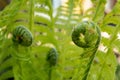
(52, 58)
(84, 34)
(22, 35)
(87, 35)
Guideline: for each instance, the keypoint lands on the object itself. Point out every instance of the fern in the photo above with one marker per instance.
(29, 63)
(23, 14)
(63, 30)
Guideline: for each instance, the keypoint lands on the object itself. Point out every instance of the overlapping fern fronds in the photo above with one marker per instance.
(54, 32)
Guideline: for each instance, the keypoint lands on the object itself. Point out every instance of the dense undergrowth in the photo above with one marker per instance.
(53, 55)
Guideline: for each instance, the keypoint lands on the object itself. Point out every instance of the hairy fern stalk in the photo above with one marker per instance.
(35, 44)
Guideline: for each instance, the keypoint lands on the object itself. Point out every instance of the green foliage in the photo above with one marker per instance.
(52, 37)
(90, 42)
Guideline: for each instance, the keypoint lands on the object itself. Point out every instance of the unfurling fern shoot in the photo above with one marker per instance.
(22, 36)
(52, 56)
(87, 35)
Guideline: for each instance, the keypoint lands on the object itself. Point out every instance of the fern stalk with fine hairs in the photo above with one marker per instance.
(87, 35)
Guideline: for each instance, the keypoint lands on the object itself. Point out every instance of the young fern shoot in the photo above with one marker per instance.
(87, 36)
(52, 59)
(21, 35)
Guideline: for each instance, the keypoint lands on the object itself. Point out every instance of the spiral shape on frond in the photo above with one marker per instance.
(86, 34)
(22, 36)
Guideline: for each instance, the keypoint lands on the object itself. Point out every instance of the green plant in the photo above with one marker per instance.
(87, 35)
(52, 58)
(52, 35)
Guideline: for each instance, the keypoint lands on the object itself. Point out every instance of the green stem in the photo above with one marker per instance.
(17, 70)
(31, 14)
(97, 9)
(31, 18)
(50, 73)
(87, 71)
